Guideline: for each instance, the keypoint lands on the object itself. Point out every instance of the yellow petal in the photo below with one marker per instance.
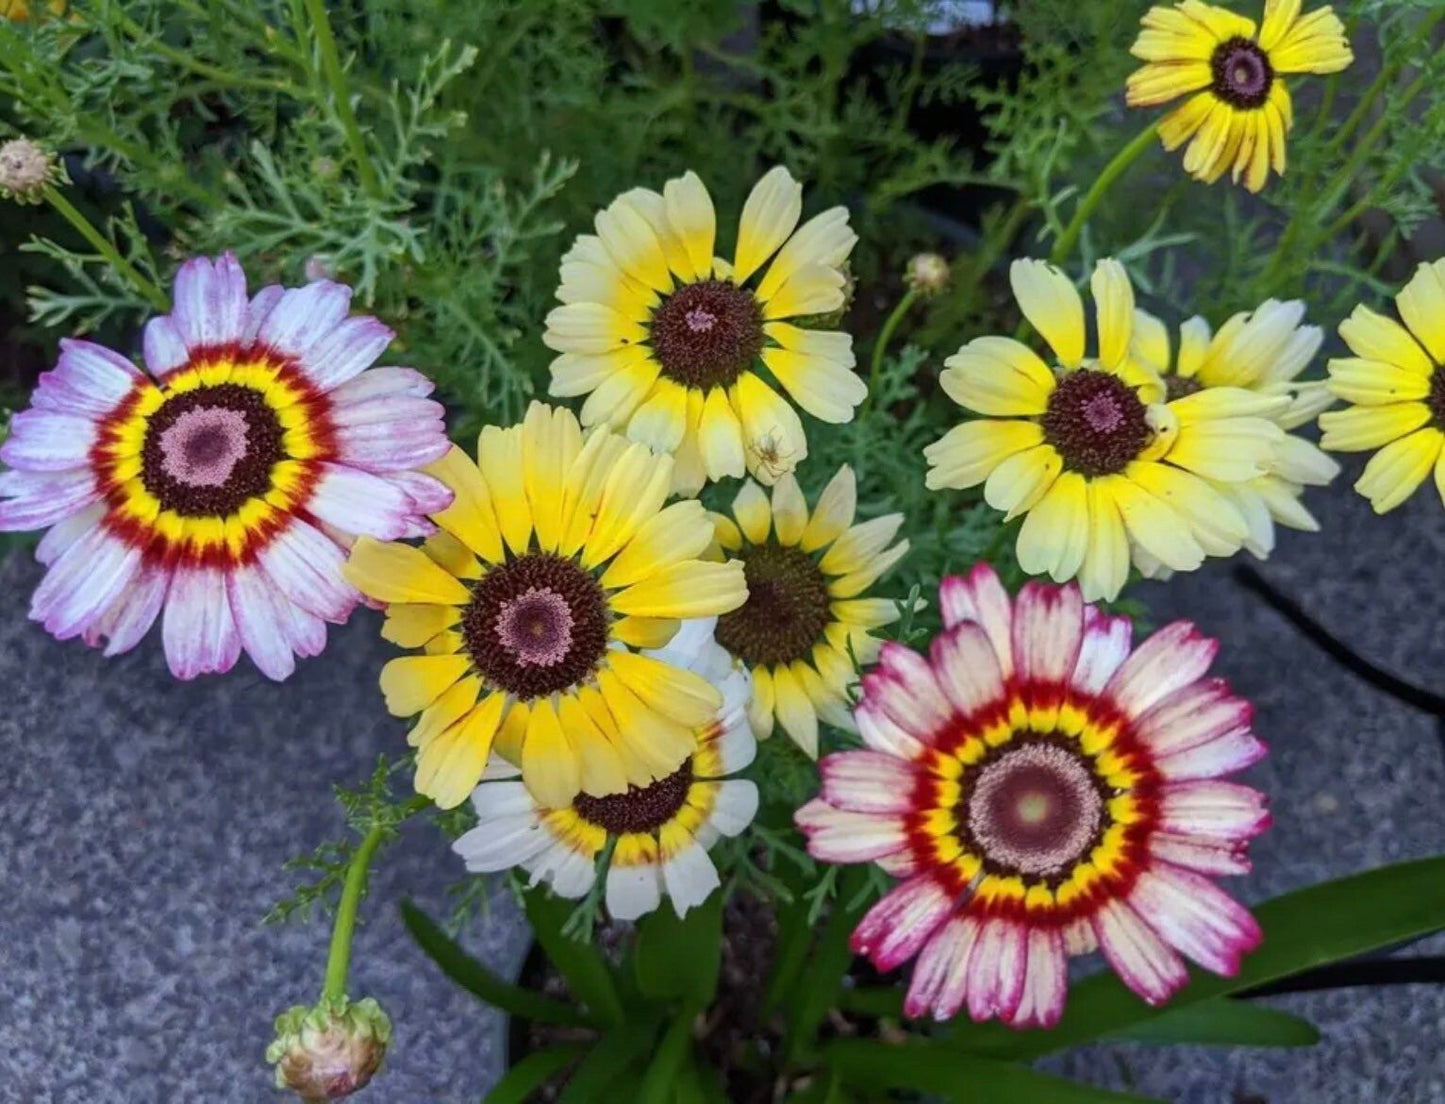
(760, 705)
(411, 626)
(618, 396)
(635, 490)
(1105, 569)
(772, 431)
(720, 438)
(795, 711)
(1160, 82)
(812, 289)
(1397, 470)
(1317, 43)
(1184, 121)
(685, 697)
(998, 377)
(790, 510)
(754, 512)
(512, 730)
(1422, 306)
(391, 572)
(551, 769)
(601, 766)
(860, 545)
(452, 556)
(470, 517)
(690, 589)
(1375, 383)
(1055, 535)
(856, 582)
(1114, 311)
(1213, 519)
(661, 420)
(648, 737)
(645, 632)
(551, 441)
(1052, 305)
(1150, 341)
(449, 767)
(825, 239)
(1366, 427)
(1155, 527)
(633, 245)
(1229, 449)
(771, 212)
(827, 389)
(652, 207)
(967, 453)
(411, 683)
(590, 328)
(578, 373)
(453, 704)
(1372, 336)
(1018, 483)
(690, 211)
(833, 512)
(679, 532)
(499, 456)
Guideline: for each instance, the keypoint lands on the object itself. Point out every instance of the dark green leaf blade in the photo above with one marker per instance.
(1224, 1022)
(581, 965)
(679, 958)
(532, 1072)
(476, 979)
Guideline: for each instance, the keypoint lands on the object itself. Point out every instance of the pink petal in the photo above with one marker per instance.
(868, 782)
(163, 347)
(1143, 963)
(256, 607)
(303, 317)
(881, 734)
(980, 597)
(1171, 659)
(895, 928)
(837, 836)
(1104, 648)
(381, 383)
(306, 567)
(65, 533)
(82, 583)
(132, 614)
(1200, 853)
(428, 495)
(1046, 980)
(88, 380)
(1221, 810)
(348, 350)
(965, 665)
(198, 629)
(37, 500)
(360, 503)
(940, 976)
(1225, 755)
(394, 446)
(210, 302)
(1079, 937)
(996, 970)
(42, 440)
(1196, 916)
(904, 687)
(1195, 714)
(257, 310)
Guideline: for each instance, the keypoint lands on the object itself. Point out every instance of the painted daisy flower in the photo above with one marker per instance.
(221, 491)
(1239, 111)
(556, 559)
(1263, 351)
(1396, 385)
(1042, 790)
(1104, 468)
(805, 627)
(663, 830)
(665, 339)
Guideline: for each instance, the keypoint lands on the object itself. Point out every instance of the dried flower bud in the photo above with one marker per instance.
(25, 170)
(318, 267)
(927, 273)
(330, 1051)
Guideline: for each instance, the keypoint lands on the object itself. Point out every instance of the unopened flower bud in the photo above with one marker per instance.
(317, 267)
(927, 273)
(330, 1051)
(25, 170)
(834, 318)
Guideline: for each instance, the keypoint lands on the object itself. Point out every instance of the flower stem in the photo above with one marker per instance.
(336, 78)
(885, 335)
(106, 248)
(338, 958)
(1095, 195)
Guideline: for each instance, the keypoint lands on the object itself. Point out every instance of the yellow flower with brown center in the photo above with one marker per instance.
(555, 561)
(1239, 110)
(806, 626)
(666, 340)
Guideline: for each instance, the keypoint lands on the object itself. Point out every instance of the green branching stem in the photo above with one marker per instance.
(336, 79)
(338, 958)
(224, 78)
(885, 335)
(106, 248)
(1095, 195)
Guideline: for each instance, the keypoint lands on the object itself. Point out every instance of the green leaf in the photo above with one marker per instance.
(476, 979)
(1306, 928)
(581, 965)
(532, 1072)
(660, 1082)
(1224, 1022)
(932, 1068)
(680, 958)
(819, 983)
(604, 1073)
(795, 937)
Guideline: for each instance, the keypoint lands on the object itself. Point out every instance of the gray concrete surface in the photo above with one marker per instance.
(144, 824)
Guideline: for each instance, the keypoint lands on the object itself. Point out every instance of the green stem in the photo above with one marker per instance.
(338, 958)
(223, 77)
(885, 335)
(336, 78)
(106, 248)
(1095, 195)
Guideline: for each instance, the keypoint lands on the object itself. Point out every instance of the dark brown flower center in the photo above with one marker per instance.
(210, 450)
(644, 809)
(706, 335)
(1178, 387)
(536, 626)
(787, 608)
(1096, 422)
(1435, 400)
(1242, 73)
(1033, 808)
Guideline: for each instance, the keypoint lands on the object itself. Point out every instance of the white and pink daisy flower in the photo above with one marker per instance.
(661, 832)
(1043, 790)
(221, 491)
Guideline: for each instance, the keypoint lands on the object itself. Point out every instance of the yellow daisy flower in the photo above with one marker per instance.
(1105, 466)
(1263, 351)
(804, 629)
(665, 339)
(555, 561)
(1239, 110)
(1396, 384)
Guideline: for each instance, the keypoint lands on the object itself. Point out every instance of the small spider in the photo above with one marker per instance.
(771, 458)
